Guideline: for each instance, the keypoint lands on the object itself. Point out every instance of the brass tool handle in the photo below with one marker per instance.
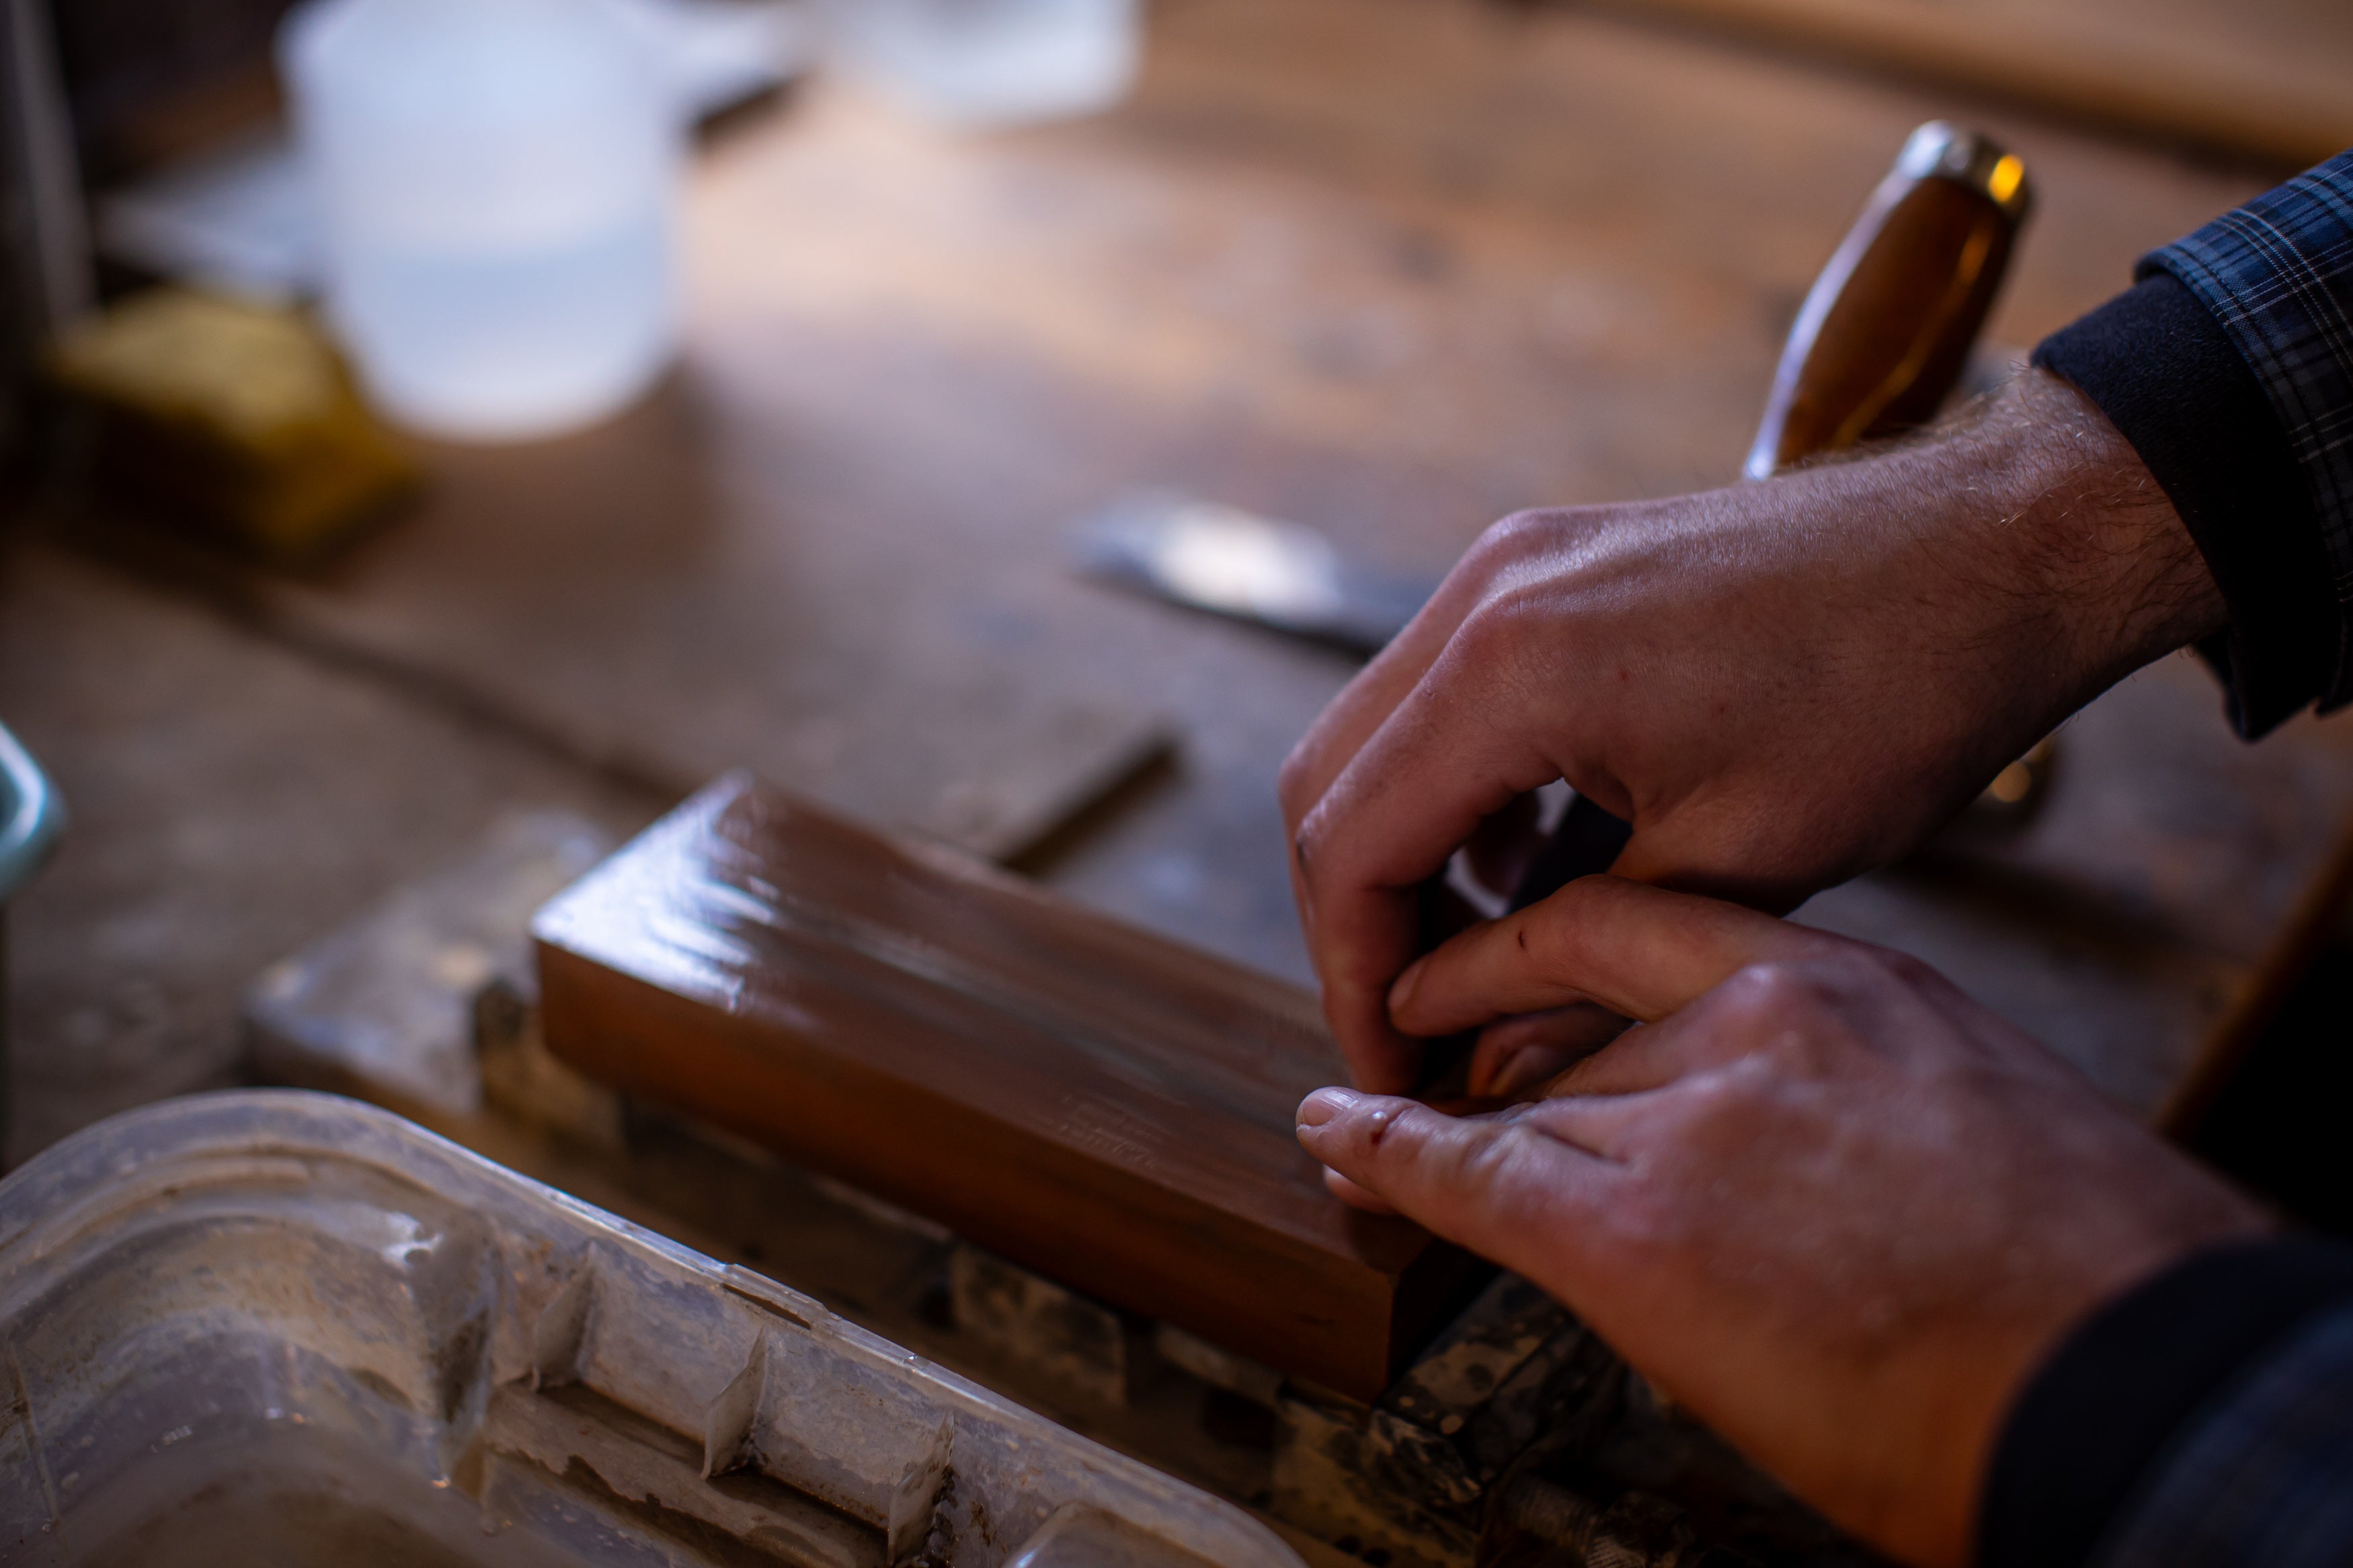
(1886, 331)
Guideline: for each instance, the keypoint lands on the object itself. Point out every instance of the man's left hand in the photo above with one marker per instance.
(1821, 1197)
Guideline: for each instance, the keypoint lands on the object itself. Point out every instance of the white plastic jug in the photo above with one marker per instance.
(498, 178)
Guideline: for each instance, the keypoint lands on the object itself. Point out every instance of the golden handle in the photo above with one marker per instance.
(1888, 328)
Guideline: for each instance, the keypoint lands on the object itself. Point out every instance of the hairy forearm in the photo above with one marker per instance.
(2075, 527)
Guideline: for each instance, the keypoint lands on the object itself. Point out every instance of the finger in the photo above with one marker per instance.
(1327, 748)
(1383, 936)
(1503, 1185)
(1517, 1053)
(1366, 701)
(1639, 951)
(1443, 762)
(1378, 1058)
(1731, 1020)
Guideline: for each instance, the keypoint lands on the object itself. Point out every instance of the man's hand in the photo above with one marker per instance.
(1779, 685)
(1821, 1197)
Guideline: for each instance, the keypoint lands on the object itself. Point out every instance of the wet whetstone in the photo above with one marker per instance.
(1096, 1103)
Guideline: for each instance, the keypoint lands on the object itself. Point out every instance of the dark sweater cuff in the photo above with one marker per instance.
(2169, 379)
(2098, 1416)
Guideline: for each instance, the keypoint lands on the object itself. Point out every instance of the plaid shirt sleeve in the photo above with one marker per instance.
(2265, 1477)
(2277, 275)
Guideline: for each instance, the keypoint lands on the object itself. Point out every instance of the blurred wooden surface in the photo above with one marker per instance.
(721, 577)
(1389, 268)
(2270, 80)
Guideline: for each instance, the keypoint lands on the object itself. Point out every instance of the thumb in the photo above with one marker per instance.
(1498, 1183)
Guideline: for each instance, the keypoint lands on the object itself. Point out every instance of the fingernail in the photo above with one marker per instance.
(1324, 1104)
(1401, 994)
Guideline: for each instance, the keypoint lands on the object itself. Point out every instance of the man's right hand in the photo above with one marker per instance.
(1778, 684)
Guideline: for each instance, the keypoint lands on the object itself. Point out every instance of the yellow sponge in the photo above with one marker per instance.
(240, 418)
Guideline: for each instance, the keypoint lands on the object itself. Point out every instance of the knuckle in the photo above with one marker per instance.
(1787, 1022)
(1509, 537)
(1538, 532)
(1770, 997)
(1307, 842)
(1888, 967)
(1728, 1097)
(1294, 783)
(1496, 631)
(1554, 938)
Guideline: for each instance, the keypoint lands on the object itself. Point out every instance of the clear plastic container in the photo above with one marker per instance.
(498, 179)
(991, 62)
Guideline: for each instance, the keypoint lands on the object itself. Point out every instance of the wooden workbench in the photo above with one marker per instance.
(1391, 267)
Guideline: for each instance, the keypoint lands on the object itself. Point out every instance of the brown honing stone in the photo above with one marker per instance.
(1098, 1104)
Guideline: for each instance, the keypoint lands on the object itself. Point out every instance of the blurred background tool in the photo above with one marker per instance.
(1232, 562)
(235, 418)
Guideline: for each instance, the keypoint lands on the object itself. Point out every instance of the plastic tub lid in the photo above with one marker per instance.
(277, 1326)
